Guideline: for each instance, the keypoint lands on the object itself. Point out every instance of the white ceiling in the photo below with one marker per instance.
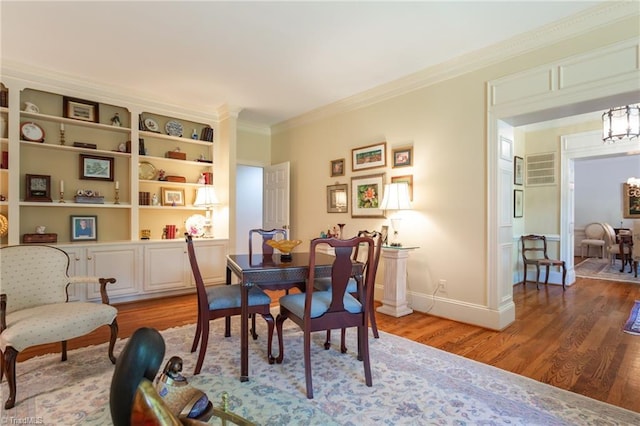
(276, 60)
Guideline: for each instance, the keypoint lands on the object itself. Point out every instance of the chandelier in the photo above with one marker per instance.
(621, 122)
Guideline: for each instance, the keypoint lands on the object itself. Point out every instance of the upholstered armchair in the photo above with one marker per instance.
(34, 306)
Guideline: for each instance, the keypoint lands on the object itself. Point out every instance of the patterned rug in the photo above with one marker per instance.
(632, 326)
(603, 270)
(413, 384)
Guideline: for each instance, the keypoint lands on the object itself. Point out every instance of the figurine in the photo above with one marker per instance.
(194, 135)
(202, 179)
(115, 120)
(154, 200)
(182, 399)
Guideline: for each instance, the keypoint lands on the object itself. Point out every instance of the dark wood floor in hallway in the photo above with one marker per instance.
(572, 340)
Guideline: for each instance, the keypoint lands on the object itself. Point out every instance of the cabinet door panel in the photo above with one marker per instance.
(165, 267)
(212, 261)
(117, 262)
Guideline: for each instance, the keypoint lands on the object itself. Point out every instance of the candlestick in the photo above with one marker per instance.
(61, 186)
(117, 201)
(62, 141)
(61, 197)
(62, 127)
(117, 185)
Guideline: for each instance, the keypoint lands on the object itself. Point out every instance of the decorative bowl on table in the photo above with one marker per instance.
(284, 246)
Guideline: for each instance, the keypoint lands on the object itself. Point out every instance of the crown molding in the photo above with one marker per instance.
(252, 127)
(581, 23)
(39, 78)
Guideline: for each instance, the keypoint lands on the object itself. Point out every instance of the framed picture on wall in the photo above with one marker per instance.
(518, 170)
(518, 203)
(631, 202)
(337, 198)
(369, 157)
(402, 157)
(337, 167)
(366, 195)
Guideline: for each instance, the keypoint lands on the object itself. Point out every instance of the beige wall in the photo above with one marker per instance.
(254, 147)
(446, 124)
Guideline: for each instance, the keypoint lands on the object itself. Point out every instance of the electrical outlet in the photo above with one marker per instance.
(442, 286)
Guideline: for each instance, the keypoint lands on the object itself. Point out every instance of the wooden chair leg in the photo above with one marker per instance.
(254, 333)
(64, 350)
(537, 276)
(203, 347)
(327, 342)
(307, 364)
(374, 324)
(546, 275)
(564, 276)
(270, 325)
(364, 351)
(227, 326)
(112, 341)
(343, 340)
(10, 356)
(196, 337)
(280, 319)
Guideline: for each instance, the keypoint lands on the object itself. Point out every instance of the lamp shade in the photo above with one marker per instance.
(206, 197)
(396, 197)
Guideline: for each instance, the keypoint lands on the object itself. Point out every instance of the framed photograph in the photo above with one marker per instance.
(84, 228)
(337, 167)
(38, 188)
(337, 198)
(93, 167)
(369, 157)
(80, 109)
(518, 203)
(406, 178)
(518, 170)
(366, 195)
(402, 157)
(631, 202)
(173, 197)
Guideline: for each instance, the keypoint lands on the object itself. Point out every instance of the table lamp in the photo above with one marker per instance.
(396, 197)
(206, 197)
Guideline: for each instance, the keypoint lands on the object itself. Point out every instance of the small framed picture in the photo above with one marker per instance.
(93, 167)
(172, 197)
(337, 198)
(402, 157)
(506, 147)
(38, 188)
(408, 179)
(518, 203)
(631, 202)
(366, 195)
(80, 109)
(518, 170)
(337, 167)
(369, 157)
(84, 228)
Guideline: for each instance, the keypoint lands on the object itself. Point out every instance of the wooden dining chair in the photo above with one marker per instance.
(324, 284)
(223, 301)
(334, 309)
(534, 252)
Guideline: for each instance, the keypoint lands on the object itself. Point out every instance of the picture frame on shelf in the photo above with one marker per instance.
(38, 188)
(631, 202)
(337, 167)
(406, 178)
(173, 197)
(402, 157)
(337, 198)
(369, 157)
(80, 109)
(366, 195)
(518, 170)
(518, 203)
(84, 228)
(95, 167)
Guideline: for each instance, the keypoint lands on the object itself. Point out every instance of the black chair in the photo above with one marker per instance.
(223, 301)
(534, 252)
(333, 309)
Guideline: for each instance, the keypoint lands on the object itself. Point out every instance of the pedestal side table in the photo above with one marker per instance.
(394, 302)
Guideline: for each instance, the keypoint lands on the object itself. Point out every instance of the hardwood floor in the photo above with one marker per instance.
(571, 340)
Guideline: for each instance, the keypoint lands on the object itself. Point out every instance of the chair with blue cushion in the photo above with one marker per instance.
(324, 284)
(335, 308)
(223, 301)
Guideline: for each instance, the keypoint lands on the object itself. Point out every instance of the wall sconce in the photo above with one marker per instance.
(206, 197)
(396, 197)
(621, 122)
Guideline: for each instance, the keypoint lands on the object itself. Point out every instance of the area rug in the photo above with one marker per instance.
(413, 384)
(603, 270)
(632, 326)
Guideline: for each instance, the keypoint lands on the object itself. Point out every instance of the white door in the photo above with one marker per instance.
(276, 197)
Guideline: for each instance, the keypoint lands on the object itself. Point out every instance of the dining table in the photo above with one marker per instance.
(273, 271)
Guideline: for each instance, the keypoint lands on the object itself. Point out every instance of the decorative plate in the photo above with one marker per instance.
(151, 125)
(173, 128)
(4, 225)
(146, 171)
(195, 225)
(32, 132)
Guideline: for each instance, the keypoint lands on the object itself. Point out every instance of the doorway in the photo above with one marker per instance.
(249, 201)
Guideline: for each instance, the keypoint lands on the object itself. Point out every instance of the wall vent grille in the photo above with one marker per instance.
(541, 169)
